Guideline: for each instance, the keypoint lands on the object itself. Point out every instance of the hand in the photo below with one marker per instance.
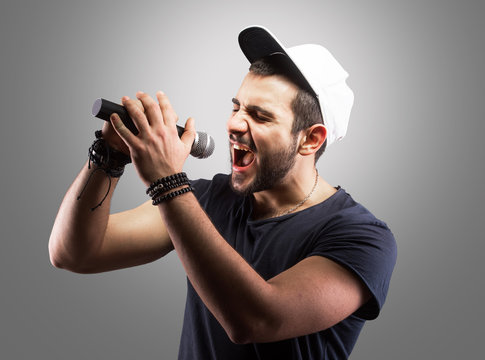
(113, 139)
(157, 151)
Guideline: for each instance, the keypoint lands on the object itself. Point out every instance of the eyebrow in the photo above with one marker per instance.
(255, 108)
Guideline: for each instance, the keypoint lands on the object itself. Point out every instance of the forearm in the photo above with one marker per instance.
(235, 294)
(78, 231)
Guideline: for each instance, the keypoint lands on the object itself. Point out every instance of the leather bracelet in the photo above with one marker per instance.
(107, 160)
(105, 157)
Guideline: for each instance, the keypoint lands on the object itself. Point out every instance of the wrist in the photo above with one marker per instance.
(105, 157)
(168, 187)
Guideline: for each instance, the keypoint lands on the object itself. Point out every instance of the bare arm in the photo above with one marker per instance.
(88, 241)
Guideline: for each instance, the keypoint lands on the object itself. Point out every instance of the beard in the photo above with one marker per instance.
(273, 167)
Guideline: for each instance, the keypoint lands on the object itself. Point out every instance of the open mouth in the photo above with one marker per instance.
(243, 156)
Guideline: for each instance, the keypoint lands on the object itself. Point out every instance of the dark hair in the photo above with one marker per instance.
(305, 106)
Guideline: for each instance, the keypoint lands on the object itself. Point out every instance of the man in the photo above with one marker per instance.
(280, 264)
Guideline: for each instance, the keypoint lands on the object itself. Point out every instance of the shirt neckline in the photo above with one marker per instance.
(281, 218)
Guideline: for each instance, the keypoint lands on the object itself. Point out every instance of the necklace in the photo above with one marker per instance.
(304, 200)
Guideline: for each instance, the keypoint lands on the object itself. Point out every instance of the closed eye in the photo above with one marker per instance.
(256, 112)
(236, 105)
(260, 114)
(259, 117)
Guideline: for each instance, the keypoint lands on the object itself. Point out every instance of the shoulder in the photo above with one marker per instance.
(341, 212)
(353, 237)
(204, 187)
(215, 191)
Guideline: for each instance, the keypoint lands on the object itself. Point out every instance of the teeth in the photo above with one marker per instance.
(237, 147)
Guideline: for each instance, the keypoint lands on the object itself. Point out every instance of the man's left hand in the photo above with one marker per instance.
(157, 151)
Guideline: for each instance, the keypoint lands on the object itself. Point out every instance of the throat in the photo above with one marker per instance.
(243, 158)
(247, 159)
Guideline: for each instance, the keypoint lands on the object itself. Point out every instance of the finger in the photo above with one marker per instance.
(124, 133)
(168, 113)
(137, 102)
(189, 134)
(152, 109)
(136, 113)
(111, 137)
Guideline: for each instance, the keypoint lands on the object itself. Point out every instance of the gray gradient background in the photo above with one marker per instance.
(413, 156)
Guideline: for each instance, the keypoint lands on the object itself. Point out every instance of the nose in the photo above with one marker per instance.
(237, 124)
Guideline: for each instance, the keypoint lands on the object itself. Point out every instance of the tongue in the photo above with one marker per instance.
(247, 159)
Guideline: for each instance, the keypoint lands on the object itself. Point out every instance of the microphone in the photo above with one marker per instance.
(202, 147)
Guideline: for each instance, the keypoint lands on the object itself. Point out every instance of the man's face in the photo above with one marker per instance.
(263, 149)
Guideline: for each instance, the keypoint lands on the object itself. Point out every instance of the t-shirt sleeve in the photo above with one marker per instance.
(201, 187)
(209, 191)
(366, 246)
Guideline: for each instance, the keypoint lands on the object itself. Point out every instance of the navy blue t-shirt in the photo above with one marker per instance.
(338, 228)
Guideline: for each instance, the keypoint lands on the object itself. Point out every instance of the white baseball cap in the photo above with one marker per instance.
(315, 67)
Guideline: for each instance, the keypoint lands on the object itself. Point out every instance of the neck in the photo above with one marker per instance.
(297, 191)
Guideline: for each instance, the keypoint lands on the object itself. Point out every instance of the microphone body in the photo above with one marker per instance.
(202, 147)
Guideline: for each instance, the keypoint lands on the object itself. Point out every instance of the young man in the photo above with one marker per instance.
(280, 264)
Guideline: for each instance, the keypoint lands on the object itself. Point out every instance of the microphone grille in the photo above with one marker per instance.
(203, 146)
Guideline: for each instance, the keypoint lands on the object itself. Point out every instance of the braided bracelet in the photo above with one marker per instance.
(107, 160)
(172, 195)
(110, 160)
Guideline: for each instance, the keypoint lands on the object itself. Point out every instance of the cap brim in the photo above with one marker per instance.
(257, 42)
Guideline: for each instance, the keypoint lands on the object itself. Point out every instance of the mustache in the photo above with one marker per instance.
(246, 142)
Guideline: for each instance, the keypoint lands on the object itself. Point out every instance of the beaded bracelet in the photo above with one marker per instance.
(172, 195)
(161, 188)
(167, 183)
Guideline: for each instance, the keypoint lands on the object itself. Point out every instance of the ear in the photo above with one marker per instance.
(313, 138)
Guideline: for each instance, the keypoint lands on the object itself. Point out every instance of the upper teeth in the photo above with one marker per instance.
(237, 147)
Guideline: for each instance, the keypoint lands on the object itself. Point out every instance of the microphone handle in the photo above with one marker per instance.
(103, 109)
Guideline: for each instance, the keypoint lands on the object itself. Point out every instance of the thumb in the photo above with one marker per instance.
(125, 134)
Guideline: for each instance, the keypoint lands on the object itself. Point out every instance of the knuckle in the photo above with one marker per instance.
(164, 102)
(137, 110)
(152, 106)
(139, 105)
(137, 147)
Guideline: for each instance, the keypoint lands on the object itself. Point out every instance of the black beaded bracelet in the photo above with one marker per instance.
(167, 183)
(172, 195)
(161, 188)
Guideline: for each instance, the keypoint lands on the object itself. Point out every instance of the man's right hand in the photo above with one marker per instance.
(112, 137)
